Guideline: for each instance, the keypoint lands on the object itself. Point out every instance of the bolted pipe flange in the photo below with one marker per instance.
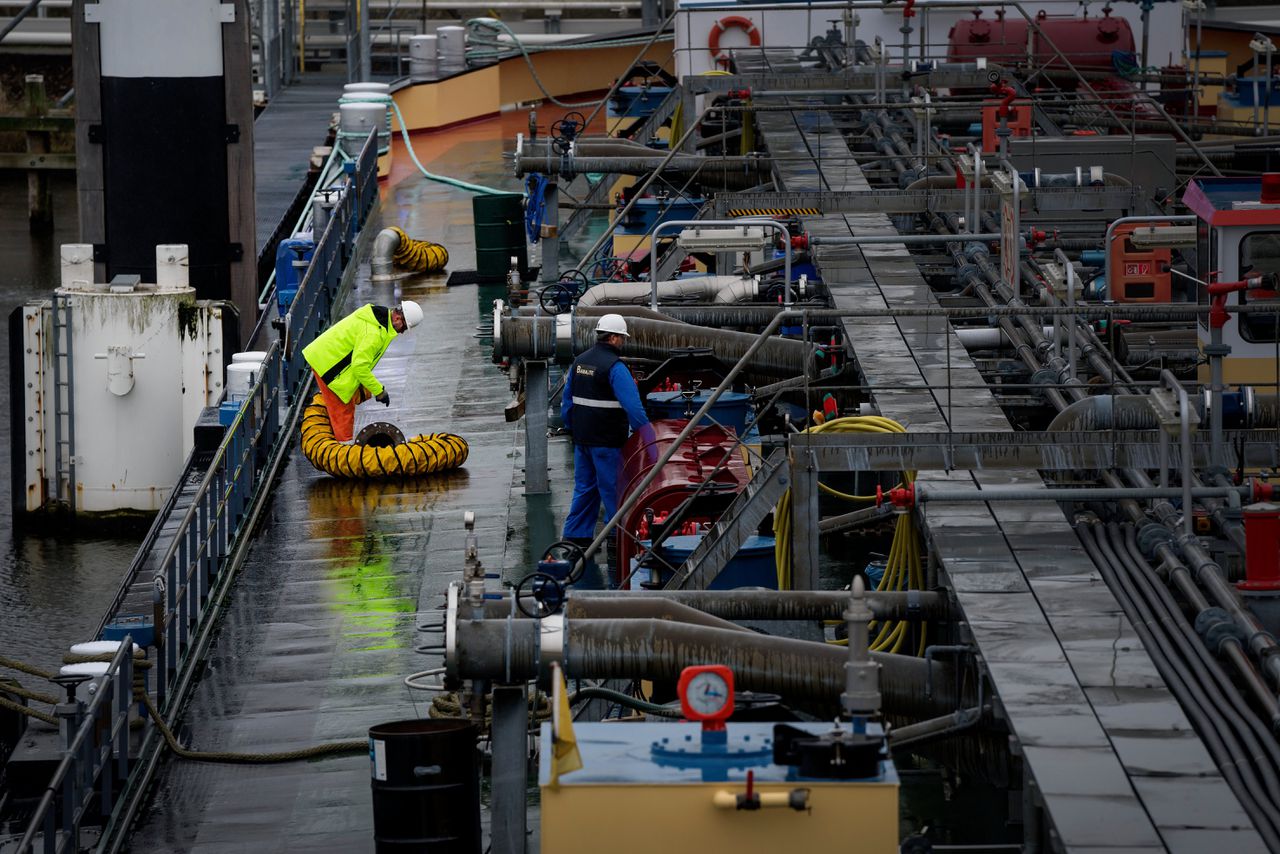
(380, 434)
(1215, 627)
(1151, 536)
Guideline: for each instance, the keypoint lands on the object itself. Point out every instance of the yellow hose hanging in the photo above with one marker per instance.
(419, 256)
(420, 455)
(903, 571)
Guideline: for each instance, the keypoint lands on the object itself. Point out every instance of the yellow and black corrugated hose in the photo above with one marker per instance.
(419, 256)
(420, 455)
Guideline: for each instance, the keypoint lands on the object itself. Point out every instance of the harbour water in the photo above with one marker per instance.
(54, 586)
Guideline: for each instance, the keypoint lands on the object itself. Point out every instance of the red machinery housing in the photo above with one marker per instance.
(694, 464)
(1087, 42)
(1138, 275)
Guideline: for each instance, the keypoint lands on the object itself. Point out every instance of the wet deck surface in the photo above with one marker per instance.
(1114, 757)
(322, 624)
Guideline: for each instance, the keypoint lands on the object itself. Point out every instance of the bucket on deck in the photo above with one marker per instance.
(499, 225)
(426, 786)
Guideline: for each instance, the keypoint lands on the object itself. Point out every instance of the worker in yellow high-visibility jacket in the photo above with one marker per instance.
(344, 355)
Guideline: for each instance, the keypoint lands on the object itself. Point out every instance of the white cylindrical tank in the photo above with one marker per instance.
(145, 360)
(422, 57)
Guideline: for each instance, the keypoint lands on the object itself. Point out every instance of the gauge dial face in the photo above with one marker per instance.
(706, 693)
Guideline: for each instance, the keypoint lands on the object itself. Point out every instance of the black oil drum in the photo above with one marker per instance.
(426, 787)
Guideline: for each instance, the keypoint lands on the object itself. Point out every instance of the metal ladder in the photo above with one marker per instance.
(64, 422)
(736, 524)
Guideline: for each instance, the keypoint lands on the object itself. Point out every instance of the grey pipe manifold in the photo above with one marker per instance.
(519, 650)
(565, 336)
(1134, 412)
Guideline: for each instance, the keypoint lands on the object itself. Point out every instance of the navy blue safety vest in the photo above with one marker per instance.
(598, 417)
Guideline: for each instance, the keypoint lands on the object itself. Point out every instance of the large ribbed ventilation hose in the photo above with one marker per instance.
(393, 249)
(420, 455)
(419, 256)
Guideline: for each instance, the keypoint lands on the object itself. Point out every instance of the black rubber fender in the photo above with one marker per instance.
(424, 454)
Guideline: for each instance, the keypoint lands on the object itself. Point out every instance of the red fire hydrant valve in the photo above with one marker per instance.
(901, 497)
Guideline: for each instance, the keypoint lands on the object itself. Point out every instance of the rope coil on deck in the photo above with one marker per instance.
(419, 256)
(425, 454)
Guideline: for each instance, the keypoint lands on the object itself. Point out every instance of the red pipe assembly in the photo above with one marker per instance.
(1218, 317)
(1262, 548)
(698, 461)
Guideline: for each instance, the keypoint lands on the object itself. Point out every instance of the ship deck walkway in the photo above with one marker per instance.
(322, 625)
(295, 121)
(1113, 757)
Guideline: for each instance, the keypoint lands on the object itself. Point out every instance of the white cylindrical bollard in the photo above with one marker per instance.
(422, 58)
(451, 48)
(241, 377)
(356, 119)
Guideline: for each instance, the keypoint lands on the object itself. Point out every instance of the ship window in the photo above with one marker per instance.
(1260, 253)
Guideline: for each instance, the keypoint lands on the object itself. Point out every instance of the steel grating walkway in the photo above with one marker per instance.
(1115, 761)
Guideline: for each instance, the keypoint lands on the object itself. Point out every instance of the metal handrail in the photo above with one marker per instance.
(68, 777)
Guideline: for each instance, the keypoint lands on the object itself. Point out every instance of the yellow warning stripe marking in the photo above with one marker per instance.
(775, 212)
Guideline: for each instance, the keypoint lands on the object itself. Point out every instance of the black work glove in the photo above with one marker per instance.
(384, 398)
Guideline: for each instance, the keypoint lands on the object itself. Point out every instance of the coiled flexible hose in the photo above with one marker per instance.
(420, 455)
(904, 570)
(419, 256)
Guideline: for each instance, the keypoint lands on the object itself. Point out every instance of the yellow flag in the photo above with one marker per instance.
(564, 745)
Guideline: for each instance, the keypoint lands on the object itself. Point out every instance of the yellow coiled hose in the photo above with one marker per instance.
(419, 256)
(904, 570)
(420, 455)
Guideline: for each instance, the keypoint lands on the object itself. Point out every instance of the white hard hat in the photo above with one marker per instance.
(613, 324)
(412, 313)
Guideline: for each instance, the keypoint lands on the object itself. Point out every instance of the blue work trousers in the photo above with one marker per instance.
(595, 480)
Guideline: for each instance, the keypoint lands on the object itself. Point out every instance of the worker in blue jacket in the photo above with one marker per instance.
(600, 403)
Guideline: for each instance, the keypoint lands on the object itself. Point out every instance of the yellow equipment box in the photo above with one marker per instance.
(651, 788)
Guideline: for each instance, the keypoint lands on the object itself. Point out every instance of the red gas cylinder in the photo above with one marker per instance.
(1086, 42)
(692, 465)
(1262, 547)
(1138, 275)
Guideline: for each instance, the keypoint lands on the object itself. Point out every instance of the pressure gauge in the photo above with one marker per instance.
(706, 694)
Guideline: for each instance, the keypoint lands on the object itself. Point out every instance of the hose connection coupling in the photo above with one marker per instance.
(903, 498)
(861, 696)
(1215, 627)
(1151, 536)
(739, 94)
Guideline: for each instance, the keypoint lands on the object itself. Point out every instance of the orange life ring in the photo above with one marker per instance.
(737, 22)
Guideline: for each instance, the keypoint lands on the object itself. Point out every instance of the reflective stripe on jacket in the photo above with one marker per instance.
(345, 353)
(598, 417)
